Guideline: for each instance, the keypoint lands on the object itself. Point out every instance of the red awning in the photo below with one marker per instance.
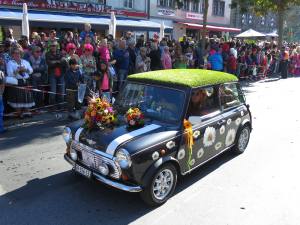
(210, 27)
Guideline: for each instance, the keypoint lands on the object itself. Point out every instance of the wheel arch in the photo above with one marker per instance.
(158, 164)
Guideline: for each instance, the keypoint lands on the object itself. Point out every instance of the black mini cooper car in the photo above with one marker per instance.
(149, 158)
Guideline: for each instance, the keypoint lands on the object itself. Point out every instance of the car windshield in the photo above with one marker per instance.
(159, 103)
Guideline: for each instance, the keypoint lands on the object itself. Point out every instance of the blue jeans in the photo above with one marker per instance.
(1, 114)
(57, 85)
(122, 76)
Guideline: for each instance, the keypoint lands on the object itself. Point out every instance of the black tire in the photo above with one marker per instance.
(148, 194)
(239, 149)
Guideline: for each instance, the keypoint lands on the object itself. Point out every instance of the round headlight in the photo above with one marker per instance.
(123, 158)
(73, 154)
(67, 134)
(103, 168)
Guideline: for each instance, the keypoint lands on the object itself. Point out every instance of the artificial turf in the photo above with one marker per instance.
(184, 77)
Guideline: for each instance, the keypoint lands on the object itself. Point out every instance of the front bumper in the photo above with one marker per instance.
(107, 181)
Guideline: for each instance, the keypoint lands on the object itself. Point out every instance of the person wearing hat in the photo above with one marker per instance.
(38, 77)
(19, 97)
(71, 49)
(89, 65)
(56, 71)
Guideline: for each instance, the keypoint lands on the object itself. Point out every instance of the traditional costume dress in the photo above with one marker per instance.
(20, 97)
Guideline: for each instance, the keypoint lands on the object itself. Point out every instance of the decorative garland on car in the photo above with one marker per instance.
(188, 130)
(134, 117)
(99, 114)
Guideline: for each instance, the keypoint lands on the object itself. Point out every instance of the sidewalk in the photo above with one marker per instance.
(62, 115)
(44, 117)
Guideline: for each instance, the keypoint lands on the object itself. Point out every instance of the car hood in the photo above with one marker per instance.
(109, 139)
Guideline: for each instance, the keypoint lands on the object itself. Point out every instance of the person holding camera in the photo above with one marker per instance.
(19, 97)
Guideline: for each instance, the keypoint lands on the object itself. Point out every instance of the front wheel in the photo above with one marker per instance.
(242, 140)
(161, 187)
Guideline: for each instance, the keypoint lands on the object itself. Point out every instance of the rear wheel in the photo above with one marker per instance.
(242, 140)
(161, 187)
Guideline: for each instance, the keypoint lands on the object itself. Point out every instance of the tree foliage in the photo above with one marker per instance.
(262, 7)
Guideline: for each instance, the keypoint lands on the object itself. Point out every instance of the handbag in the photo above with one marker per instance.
(11, 80)
(57, 72)
(112, 71)
(81, 92)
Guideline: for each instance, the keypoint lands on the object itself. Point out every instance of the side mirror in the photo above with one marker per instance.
(195, 119)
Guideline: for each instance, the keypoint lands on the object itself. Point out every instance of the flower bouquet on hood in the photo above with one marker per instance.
(134, 117)
(99, 114)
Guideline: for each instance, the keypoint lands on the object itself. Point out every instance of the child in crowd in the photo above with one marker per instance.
(104, 81)
(2, 77)
(73, 79)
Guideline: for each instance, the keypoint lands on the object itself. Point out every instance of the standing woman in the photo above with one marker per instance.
(88, 65)
(18, 98)
(285, 65)
(297, 67)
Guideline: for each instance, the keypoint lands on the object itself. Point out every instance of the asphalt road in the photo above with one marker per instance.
(260, 187)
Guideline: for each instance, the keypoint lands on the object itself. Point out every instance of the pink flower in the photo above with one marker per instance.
(132, 122)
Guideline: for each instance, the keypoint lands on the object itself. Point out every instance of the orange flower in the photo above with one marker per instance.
(93, 113)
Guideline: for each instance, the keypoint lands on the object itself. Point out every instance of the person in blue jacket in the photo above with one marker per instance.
(216, 61)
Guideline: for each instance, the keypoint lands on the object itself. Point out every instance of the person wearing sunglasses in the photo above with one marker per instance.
(38, 77)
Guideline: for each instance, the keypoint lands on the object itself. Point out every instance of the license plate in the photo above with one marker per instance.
(83, 171)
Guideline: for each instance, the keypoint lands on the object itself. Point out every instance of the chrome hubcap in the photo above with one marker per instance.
(243, 139)
(163, 184)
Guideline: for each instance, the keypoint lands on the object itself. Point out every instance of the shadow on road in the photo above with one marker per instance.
(24, 135)
(68, 199)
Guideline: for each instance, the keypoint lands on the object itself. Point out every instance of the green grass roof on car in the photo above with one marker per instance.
(184, 77)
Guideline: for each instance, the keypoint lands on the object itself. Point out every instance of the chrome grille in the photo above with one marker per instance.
(115, 170)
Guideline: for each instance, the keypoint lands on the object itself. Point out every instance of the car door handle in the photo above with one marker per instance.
(221, 122)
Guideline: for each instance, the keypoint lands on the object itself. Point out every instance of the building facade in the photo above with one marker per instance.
(45, 15)
(245, 21)
(187, 18)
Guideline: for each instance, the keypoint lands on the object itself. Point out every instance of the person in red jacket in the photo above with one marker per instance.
(231, 63)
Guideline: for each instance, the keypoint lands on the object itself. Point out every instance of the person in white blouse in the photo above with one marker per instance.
(19, 98)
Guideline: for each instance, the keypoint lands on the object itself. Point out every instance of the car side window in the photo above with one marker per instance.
(229, 95)
(203, 101)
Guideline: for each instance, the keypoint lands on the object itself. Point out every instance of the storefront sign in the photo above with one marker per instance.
(59, 5)
(166, 12)
(194, 16)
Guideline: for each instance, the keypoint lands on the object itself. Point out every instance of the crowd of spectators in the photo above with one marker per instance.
(47, 63)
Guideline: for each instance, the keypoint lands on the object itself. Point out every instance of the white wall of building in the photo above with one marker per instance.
(138, 5)
(221, 20)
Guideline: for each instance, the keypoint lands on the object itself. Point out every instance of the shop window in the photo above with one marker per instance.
(218, 8)
(186, 5)
(128, 4)
(195, 6)
(202, 6)
(166, 3)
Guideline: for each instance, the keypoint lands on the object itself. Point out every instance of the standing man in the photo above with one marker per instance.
(121, 55)
(132, 57)
(87, 32)
(56, 72)
(155, 56)
(52, 38)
